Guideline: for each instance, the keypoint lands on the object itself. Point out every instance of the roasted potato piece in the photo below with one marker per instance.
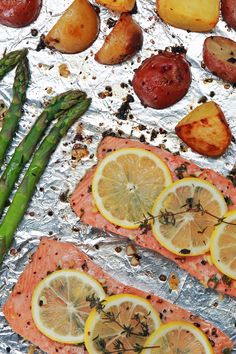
(193, 15)
(228, 9)
(162, 80)
(124, 41)
(19, 13)
(76, 30)
(205, 130)
(118, 5)
(219, 55)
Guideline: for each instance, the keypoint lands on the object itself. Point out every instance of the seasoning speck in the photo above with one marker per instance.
(173, 282)
(64, 71)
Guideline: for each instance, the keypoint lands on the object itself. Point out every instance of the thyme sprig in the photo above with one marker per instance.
(167, 217)
(126, 330)
(119, 347)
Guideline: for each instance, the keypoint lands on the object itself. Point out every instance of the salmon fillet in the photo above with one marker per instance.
(200, 267)
(52, 254)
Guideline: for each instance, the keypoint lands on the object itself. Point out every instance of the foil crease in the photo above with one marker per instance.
(50, 214)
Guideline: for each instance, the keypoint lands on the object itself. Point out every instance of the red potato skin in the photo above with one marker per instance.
(228, 9)
(162, 80)
(19, 13)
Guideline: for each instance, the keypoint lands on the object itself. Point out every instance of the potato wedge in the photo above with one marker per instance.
(193, 15)
(228, 9)
(118, 5)
(124, 41)
(205, 130)
(76, 30)
(219, 55)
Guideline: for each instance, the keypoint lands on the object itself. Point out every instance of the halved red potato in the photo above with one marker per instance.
(162, 80)
(205, 130)
(124, 41)
(219, 55)
(118, 5)
(193, 15)
(76, 30)
(228, 9)
(19, 13)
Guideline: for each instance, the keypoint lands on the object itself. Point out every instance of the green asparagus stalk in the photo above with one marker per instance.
(40, 160)
(25, 149)
(10, 60)
(14, 112)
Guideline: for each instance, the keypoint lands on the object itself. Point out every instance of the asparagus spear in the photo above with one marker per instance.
(10, 60)
(25, 149)
(40, 160)
(14, 112)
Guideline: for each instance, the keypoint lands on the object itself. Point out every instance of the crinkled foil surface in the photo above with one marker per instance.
(49, 214)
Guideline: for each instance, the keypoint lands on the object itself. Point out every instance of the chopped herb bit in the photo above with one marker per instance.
(94, 301)
(123, 111)
(64, 196)
(111, 22)
(179, 49)
(226, 280)
(226, 351)
(167, 218)
(228, 201)
(213, 281)
(179, 171)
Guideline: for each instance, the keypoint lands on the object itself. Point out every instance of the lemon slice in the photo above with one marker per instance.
(126, 184)
(223, 246)
(59, 305)
(124, 322)
(176, 227)
(178, 337)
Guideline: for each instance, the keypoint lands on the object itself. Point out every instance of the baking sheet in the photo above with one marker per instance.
(49, 214)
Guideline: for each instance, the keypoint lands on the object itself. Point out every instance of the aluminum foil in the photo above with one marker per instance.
(50, 214)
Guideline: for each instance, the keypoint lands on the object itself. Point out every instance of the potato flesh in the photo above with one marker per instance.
(219, 55)
(205, 130)
(76, 30)
(225, 49)
(117, 5)
(206, 110)
(193, 15)
(124, 41)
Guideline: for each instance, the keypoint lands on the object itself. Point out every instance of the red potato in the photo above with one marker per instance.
(162, 80)
(219, 55)
(228, 9)
(19, 13)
